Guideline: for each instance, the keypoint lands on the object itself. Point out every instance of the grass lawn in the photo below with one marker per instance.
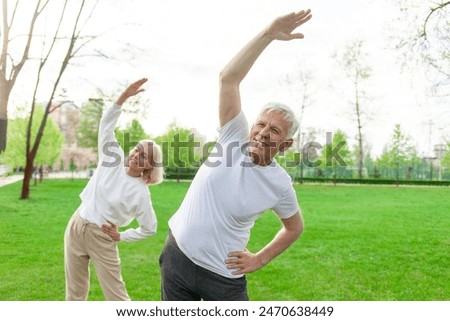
(360, 243)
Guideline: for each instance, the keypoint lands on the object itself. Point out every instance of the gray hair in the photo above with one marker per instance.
(288, 114)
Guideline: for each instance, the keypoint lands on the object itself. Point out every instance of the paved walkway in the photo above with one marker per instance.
(10, 179)
(5, 180)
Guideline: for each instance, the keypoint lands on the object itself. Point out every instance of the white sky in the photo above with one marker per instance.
(181, 46)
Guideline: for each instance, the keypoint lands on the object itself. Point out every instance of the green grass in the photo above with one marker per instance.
(360, 243)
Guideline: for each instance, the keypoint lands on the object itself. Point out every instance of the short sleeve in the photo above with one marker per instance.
(234, 130)
(287, 205)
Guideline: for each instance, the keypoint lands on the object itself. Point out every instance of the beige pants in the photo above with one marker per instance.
(84, 241)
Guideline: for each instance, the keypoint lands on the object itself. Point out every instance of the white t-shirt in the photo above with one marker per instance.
(111, 195)
(225, 198)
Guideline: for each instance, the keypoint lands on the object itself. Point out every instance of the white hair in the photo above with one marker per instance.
(288, 114)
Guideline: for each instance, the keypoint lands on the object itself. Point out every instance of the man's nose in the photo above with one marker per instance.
(264, 132)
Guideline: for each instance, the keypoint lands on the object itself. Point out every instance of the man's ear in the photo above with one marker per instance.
(285, 145)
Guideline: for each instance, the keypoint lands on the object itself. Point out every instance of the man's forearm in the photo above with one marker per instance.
(239, 66)
(278, 245)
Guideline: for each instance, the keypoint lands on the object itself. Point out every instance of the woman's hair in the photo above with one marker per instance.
(288, 114)
(155, 174)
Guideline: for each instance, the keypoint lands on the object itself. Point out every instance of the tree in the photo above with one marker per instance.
(181, 150)
(73, 167)
(425, 38)
(336, 155)
(400, 154)
(310, 154)
(300, 84)
(65, 39)
(90, 116)
(445, 161)
(51, 144)
(357, 71)
(92, 111)
(130, 135)
(10, 68)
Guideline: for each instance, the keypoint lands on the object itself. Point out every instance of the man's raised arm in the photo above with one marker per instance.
(235, 71)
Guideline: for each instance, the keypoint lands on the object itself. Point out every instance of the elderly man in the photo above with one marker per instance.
(205, 255)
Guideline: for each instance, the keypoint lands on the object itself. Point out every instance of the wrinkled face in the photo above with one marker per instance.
(141, 157)
(268, 137)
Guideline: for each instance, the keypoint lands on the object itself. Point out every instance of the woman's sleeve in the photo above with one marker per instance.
(107, 141)
(147, 225)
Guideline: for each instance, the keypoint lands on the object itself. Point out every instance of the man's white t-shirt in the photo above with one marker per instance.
(113, 196)
(227, 195)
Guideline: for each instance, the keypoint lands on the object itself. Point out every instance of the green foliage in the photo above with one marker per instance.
(361, 243)
(336, 157)
(180, 149)
(49, 149)
(334, 160)
(90, 116)
(421, 34)
(72, 166)
(288, 159)
(399, 153)
(354, 60)
(445, 162)
(131, 135)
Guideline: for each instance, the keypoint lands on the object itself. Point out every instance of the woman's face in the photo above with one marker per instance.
(140, 157)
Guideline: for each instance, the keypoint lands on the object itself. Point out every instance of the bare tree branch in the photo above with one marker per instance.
(42, 63)
(33, 146)
(87, 19)
(432, 11)
(14, 13)
(56, 83)
(17, 68)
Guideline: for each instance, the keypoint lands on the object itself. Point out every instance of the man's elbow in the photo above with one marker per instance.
(224, 78)
(297, 233)
(298, 230)
(227, 79)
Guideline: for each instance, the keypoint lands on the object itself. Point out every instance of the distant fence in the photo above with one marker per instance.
(333, 176)
(371, 181)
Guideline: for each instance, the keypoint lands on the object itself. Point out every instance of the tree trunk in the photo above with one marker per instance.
(4, 96)
(27, 178)
(397, 181)
(3, 130)
(360, 154)
(360, 139)
(31, 155)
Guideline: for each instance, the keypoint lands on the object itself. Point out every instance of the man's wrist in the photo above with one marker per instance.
(267, 36)
(261, 259)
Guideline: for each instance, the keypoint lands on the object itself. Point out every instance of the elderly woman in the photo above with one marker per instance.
(115, 195)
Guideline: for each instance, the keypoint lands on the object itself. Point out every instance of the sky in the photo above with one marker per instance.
(181, 46)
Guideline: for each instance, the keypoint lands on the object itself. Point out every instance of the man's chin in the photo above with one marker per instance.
(256, 152)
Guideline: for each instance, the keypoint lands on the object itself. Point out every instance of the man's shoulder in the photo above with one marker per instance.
(235, 129)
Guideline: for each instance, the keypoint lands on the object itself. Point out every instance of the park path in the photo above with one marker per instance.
(10, 179)
(6, 180)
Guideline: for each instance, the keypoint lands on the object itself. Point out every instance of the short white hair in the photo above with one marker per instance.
(287, 113)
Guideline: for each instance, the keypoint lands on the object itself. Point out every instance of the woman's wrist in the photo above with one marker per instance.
(121, 100)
